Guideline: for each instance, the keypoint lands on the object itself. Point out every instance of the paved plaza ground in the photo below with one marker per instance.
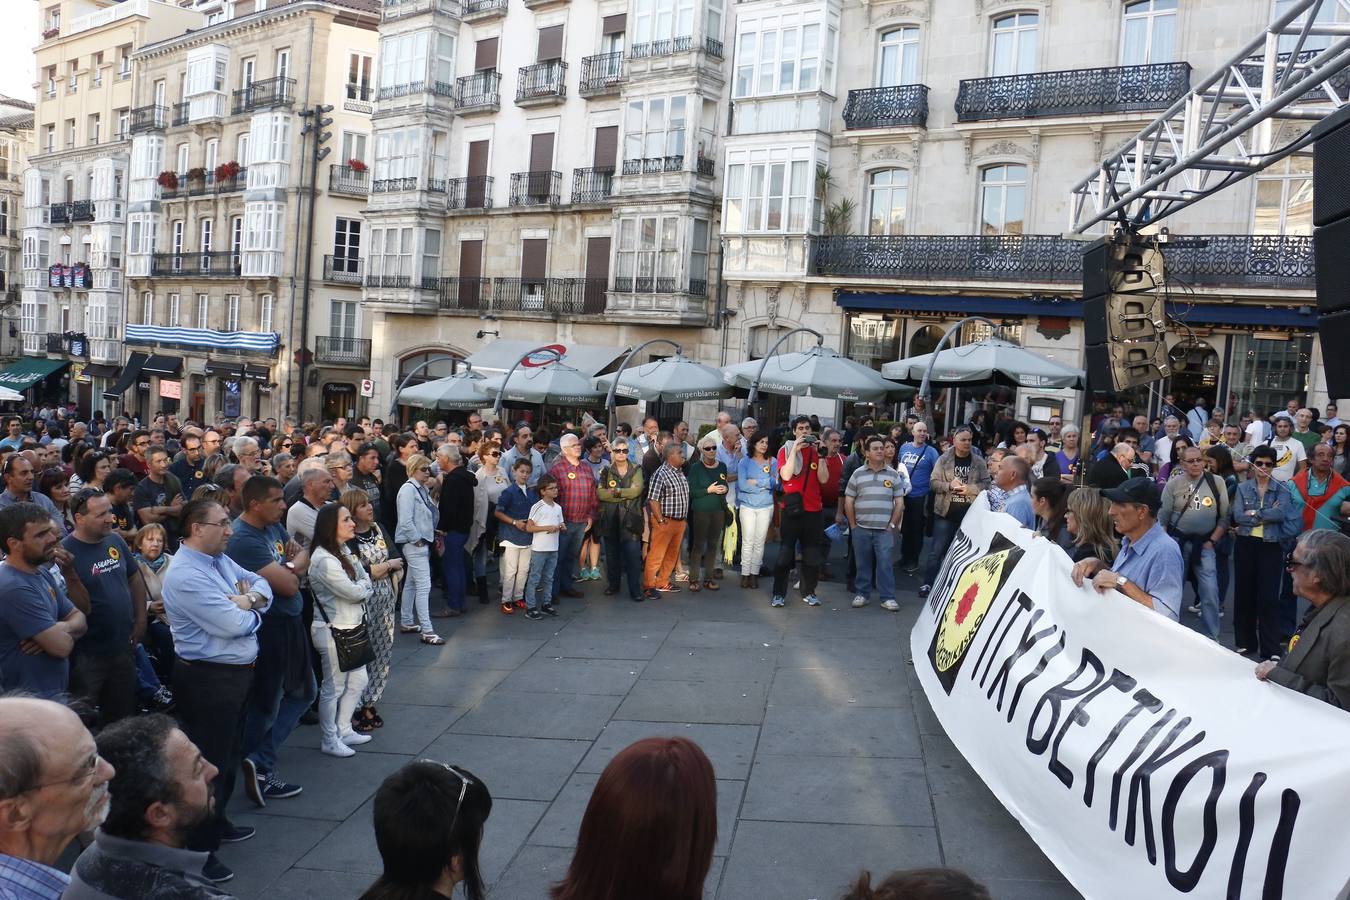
(827, 755)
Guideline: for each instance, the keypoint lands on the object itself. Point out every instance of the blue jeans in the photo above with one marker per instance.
(542, 566)
(623, 553)
(453, 569)
(1223, 561)
(1206, 574)
(272, 712)
(944, 530)
(874, 545)
(569, 550)
(147, 680)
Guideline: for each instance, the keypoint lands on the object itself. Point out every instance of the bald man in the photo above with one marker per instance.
(53, 785)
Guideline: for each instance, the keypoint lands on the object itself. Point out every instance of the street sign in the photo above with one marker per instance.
(367, 388)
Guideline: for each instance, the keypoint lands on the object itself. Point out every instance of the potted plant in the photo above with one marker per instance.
(227, 171)
(168, 180)
(198, 174)
(356, 165)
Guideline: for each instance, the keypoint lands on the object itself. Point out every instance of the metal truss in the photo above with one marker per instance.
(1236, 122)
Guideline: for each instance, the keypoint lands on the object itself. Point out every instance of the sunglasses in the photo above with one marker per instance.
(1263, 464)
(1290, 563)
(494, 453)
(618, 450)
(463, 787)
(81, 499)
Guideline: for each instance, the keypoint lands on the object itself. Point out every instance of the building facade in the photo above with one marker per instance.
(232, 277)
(16, 135)
(74, 192)
(544, 171)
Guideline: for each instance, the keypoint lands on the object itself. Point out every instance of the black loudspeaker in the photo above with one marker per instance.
(1331, 246)
(1124, 317)
(1121, 265)
(1119, 365)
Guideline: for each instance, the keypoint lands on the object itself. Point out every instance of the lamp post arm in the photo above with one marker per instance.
(454, 360)
(497, 407)
(754, 386)
(932, 357)
(614, 385)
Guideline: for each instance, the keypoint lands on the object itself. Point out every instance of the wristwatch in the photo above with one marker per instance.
(1121, 581)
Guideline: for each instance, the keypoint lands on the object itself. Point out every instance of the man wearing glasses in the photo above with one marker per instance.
(1195, 513)
(214, 607)
(190, 470)
(134, 460)
(210, 442)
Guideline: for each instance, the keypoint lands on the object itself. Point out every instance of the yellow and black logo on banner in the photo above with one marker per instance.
(973, 594)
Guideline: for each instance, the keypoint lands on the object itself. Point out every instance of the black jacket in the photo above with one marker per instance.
(457, 501)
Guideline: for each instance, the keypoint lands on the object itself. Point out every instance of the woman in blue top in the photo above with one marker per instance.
(756, 480)
(918, 457)
(1260, 508)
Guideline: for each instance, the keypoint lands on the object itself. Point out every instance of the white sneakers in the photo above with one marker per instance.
(336, 748)
(354, 738)
(859, 601)
(890, 606)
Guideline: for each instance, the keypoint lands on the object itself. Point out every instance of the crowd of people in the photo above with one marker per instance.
(248, 577)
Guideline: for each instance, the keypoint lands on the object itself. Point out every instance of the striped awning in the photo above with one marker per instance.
(256, 341)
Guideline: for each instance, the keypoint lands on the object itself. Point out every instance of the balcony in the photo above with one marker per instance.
(60, 213)
(894, 106)
(82, 211)
(463, 294)
(180, 113)
(359, 98)
(1286, 261)
(542, 83)
(388, 281)
(601, 75)
(550, 296)
(482, 10)
(343, 270)
(348, 181)
(56, 342)
(666, 47)
(148, 118)
(204, 184)
(479, 92)
(593, 185)
(1073, 92)
(713, 48)
(341, 351)
(535, 188)
(393, 185)
(470, 192)
(269, 93)
(397, 9)
(653, 165)
(705, 167)
(211, 264)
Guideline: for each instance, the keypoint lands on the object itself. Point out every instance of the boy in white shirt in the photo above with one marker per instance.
(546, 520)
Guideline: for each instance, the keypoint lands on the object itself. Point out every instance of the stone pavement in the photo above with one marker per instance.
(828, 758)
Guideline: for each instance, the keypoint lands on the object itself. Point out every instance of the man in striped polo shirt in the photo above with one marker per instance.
(874, 502)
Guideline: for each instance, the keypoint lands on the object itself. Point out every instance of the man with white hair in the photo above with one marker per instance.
(1162, 447)
(455, 524)
(246, 450)
(316, 488)
(53, 786)
(580, 502)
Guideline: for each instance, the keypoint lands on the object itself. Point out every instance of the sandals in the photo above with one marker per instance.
(712, 585)
(508, 609)
(434, 639)
(694, 586)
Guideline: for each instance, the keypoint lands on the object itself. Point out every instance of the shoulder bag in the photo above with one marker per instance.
(352, 644)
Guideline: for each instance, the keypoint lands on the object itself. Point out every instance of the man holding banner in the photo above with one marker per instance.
(1148, 569)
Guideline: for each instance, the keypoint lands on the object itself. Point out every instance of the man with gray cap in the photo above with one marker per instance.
(1148, 569)
(580, 502)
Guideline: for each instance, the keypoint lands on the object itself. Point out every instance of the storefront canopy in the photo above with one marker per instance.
(163, 365)
(28, 371)
(130, 372)
(587, 359)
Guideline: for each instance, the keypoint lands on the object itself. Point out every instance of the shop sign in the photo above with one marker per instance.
(171, 390)
(77, 373)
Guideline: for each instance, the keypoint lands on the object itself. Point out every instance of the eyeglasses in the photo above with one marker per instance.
(494, 453)
(84, 774)
(1290, 563)
(81, 499)
(463, 787)
(1263, 464)
(618, 450)
(222, 524)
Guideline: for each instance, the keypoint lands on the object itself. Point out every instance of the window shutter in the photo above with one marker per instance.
(533, 258)
(485, 54)
(615, 24)
(606, 147)
(550, 43)
(541, 152)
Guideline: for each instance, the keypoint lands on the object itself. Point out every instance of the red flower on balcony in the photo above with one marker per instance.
(356, 165)
(227, 171)
(50, 33)
(168, 180)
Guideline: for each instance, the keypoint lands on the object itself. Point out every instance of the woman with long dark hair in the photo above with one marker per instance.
(54, 484)
(1340, 444)
(92, 467)
(429, 820)
(341, 588)
(1050, 500)
(649, 828)
(373, 546)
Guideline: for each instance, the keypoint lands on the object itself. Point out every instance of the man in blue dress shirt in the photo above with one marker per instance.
(214, 608)
(1148, 568)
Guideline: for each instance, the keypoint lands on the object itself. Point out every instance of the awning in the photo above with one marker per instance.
(29, 370)
(164, 366)
(501, 355)
(130, 372)
(101, 370)
(254, 372)
(230, 371)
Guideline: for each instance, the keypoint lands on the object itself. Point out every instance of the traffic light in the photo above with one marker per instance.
(1124, 317)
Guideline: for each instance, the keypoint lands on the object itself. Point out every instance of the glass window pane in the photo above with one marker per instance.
(1014, 208)
(991, 210)
(776, 178)
(1026, 56)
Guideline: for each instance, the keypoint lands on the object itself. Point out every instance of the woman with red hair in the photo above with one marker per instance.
(650, 827)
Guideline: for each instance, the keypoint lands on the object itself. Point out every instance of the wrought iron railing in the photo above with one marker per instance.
(1114, 89)
(705, 167)
(216, 263)
(653, 165)
(645, 284)
(392, 185)
(346, 180)
(436, 185)
(148, 118)
(550, 296)
(388, 281)
(1286, 261)
(601, 74)
(343, 269)
(484, 8)
(457, 292)
(180, 113)
(893, 106)
(407, 88)
(544, 80)
(593, 185)
(664, 47)
(481, 90)
(470, 192)
(59, 213)
(341, 351)
(56, 342)
(712, 47)
(535, 188)
(82, 211)
(362, 93)
(1340, 82)
(269, 93)
(698, 287)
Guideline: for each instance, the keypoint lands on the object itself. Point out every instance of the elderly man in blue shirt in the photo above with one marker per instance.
(214, 608)
(1148, 569)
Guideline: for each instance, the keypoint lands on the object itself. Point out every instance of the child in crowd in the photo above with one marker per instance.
(546, 520)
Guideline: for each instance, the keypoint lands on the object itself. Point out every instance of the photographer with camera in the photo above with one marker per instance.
(802, 473)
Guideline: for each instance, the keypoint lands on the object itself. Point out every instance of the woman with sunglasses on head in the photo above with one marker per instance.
(492, 479)
(342, 587)
(429, 820)
(1260, 508)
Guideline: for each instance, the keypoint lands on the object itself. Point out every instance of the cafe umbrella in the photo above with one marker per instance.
(984, 362)
(458, 391)
(815, 372)
(551, 383)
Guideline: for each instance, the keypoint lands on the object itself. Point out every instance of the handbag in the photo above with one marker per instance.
(793, 505)
(352, 644)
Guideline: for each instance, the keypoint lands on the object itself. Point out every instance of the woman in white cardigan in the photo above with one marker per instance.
(341, 587)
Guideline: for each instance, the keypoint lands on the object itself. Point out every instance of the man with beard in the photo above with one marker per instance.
(54, 785)
(161, 792)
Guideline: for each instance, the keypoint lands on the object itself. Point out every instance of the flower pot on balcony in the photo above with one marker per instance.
(356, 165)
(168, 180)
(227, 171)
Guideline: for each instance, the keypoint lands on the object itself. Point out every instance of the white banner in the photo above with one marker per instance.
(1145, 760)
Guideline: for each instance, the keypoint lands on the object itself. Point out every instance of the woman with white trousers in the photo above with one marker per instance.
(756, 480)
(415, 534)
(341, 588)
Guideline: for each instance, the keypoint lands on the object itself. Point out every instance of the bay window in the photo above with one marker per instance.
(403, 60)
(648, 258)
(778, 54)
(654, 128)
(768, 190)
(397, 153)
(658, 20)
(391, 252)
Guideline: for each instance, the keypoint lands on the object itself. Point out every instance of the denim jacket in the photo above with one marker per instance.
(416, 514)
(1272, 509)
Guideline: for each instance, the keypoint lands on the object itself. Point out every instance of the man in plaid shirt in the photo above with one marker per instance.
(668, 502)
(580, 503)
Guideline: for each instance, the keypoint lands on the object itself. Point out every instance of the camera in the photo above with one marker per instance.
(810, 439)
